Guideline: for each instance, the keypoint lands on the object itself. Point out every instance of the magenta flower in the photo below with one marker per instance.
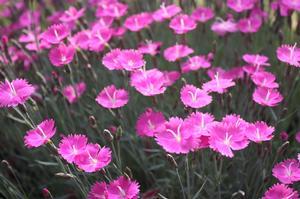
(200, 123)
(61, 55)
(98, 191)
(281, 191)
(14, 93)
(104, 22)
(264, 79)
(150, 47)
(72, 146)
(110, 97)
(202, 14)
(218, 84)
(182, 24)
(149, 123)
(72, 93)
(40, 135)
(297, 137)
(223, 27)
(176, 52)
(291, 4)
(289, 54)
(139, 21)
(166, 12)
(259, 132)
(249, 25)
(55, 33)
(241, 5)
(111, 61)
(234, 73)
(195, 63)
(288, 171)
(267, 96)
(111, 9)
(81, 39)
(131, 59)
(123, 188)
(71, 15)
(194, 97)
(99, 38)
(256, 60)
(170, 77)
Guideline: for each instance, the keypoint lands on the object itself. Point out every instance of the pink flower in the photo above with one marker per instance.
(111, 61)
(40, 135)
(131, 59)
(194, 63)
(281, 191)
(139, 21)
(284, 136)
(264, 79)
(110, 97)
(151, 48)
(55, 33)
(241, 5)
(72, 93)
(177, 52)
(289, 54)
(93, 158)
(223, 27)
(72, 146)
(81, 39)
(166, 12)
(200, 122)
(14, 93)
(249, 25)
(99, 38)
(267, 96)
(288, 171)
(111, 9)
(291, 4)
(61, 55)
(259, 132)
(182, 24)
(202, 14)
(256, 60)
(72, 15)
(98, 191)
(297, 137)
(149, 82)
(104, 22)
(123, 188)
(149, 123)
(177, 138)
(170, 77)
(194, 97)
(218, 84)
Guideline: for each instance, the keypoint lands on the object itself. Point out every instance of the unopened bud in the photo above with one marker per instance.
(107, 135)
(65, 175)
(128, 172)
(46, 193)
(171, 160)
(284, 136)
(92, 122)
(283, 148)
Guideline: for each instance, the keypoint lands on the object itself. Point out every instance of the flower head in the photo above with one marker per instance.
(177, 52)
(218, 84)
(139, 21)
(200, 123)
(111, 9)
(281, 191)
(99, 38)
(55, 33)
(289, 54)
(150, 47)
(81, 39)
(166, 12)
(267, 96)
(110, 97)
(131, 59)
(256, 60)
(194, 97)
(259, 131)
(98, 191)
(264, 79)
(72, 15)
(195, 63)
(61, 55)
(241, 5)
(170, 77)
(288, 171)
(202, 14)
(111, 61)
(123, 188)
(72, 93)
(182, 24)
(249, 25)
(223, 27)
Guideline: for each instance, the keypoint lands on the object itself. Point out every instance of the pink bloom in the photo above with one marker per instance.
(123, 188)
(111, 61)
(241, 5)
(291, 4)
(149, 123)
(170, 77)
(93, 158)
(281, 191)
(267, 97)
(223, 27)
(249, 25)
(98, 191)
(182, 24)
(200, 123)
(288, 171)
(14, 93)
(250, 70)
(218, 84)
(99, 38)
(72, 15)
(202, 14)
(110, 97)
(151, 48)
(139, 21)
(61, 55)
(166, 12)
(264, 79)
(256, 60)
(194, 63)
(55, 33)
(81, 39)
(259, 132)
(177, 52)
(177, 138)
(72, 146)
(119, 32)
(297, 137)
(131, 59)
(104, 22)
(115, 9)
(234, 73)
(289, 54)
(194, 97)
(72, 93)
(41, 134)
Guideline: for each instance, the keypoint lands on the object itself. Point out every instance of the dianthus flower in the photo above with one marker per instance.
(256, 60)
(170, 77)
(111, 61)
(111, 9)
(110, 97)
(166, 12)
(182, 24)
(202, 14)
(139, 21)
(131, 59)
(72, 15)
(194, 63)
(55, 33)
(223, 27)
(150, 47)
(98, 191)
(194, 97)
(61, 55)
(289, 54)
(123, 188)
(218, 84)
(281, 191)
(249, 25)
(259, 131)
(73, 92)
(267, 96)
(241, 5)
(264, 79)
(81, 39)
(288, 171)
(176, 52)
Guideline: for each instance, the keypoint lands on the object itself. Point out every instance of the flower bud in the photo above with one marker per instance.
(171, 160)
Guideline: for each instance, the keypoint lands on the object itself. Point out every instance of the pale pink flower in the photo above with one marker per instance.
(264, 79)
(99, 38)
(289, 54)
(72, 15)
(223, 27)
(131, 59)
(41, 134)
(98, 191)
(55, 33)
(15, 92)
(72, 93)
(218, 84)
(110, 97)
(139, 21)
(123, 188)
(241, 5)
(194, 97)
(202, 14)
(194, 63)
(249, 25)
(267, 96)
(259, 131)
(111, 61)
(288, 171)
(150, 47)
(256, 60)
(170, 77)
(61, 55)
(71, 146)
(149, 123)
(281, 191)
(166, 12)
(176, 52)
(111, 9)
(182, 24)
(81, 39)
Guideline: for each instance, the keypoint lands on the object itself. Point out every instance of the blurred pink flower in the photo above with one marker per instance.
(111, 9)
(182, 24)
(61, 55)
(14, 93)
(55, 33)
(41, 134)
(291, 4)
(297, 137)
(119, 32)
(98, 191)
(149, 123)
(288, 171)
(123, 188)
(194, 63)
(289, 54)
(139, 21)
(267, 96)
(223, 27)
(93, 158)
(218, 84)
(110, 97)
(241, 5)
(131, 59)
(72, 93)
(99, 38)
(281, 191)
(72, 15)
(256, 60)
(166, 12)
(284, 136)
(111, 61)
(249, 25)
(81, 39)
(259, 131)
(104, 22)
(200, 123)
(170, 77)
(264, 79)
(176, 52)
(194, 97)
(202, 14)
(150, 47)
(71, 146)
